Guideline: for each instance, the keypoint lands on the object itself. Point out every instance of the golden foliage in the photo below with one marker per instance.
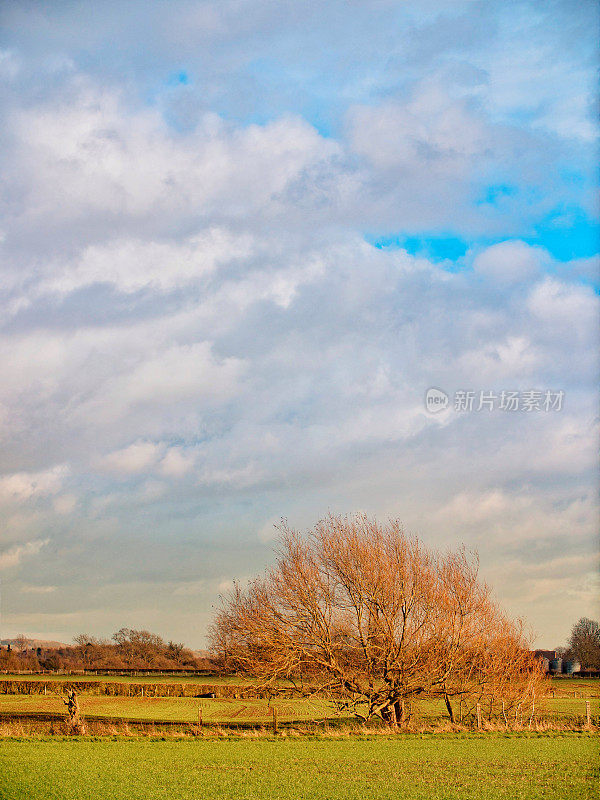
(376, 618)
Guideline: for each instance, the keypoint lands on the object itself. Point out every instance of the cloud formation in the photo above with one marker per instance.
(229, 280)
(14, 555)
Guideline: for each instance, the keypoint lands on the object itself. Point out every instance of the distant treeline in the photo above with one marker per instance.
(127, 649)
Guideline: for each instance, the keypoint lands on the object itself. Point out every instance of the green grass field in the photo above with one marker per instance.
(224, 710)
(180, 709)
(426, 768)
(581, 687)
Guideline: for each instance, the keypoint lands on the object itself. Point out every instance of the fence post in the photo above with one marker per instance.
(532, 711)
(479, 716)
(200, 714)
(274, 712)
(588, 714)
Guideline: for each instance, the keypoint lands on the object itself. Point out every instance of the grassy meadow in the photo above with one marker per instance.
(229, 710)
(175, 709)
(568, 703)
(337, 759)
(429, 767)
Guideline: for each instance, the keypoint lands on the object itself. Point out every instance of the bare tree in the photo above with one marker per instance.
(376, 619)
(22, 643)
(139, 646)
(584, 643)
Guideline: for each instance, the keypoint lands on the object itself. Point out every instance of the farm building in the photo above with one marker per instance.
(556, 665)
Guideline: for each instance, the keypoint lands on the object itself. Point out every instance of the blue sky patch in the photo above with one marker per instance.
(435, 248)
(493, 194)
(180, 78)
(567, 234)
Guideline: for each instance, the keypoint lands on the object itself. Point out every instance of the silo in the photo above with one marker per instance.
(556, 665)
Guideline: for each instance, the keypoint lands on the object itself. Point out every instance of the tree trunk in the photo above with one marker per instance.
(449, 707)
(389, 714)
(400, 711)
(75, 723)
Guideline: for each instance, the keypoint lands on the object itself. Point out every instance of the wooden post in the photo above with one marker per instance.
(588, 714)
(274, 712)
(532, 710)
(479, 716)
(200, 714)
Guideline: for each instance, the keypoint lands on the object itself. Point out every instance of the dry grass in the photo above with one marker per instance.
(32, 728)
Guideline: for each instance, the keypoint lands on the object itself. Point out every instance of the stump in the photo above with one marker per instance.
(74, 722)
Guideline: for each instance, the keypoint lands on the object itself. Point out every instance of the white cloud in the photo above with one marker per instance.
(510, 262)
(194, 323)
(65, 503)
(178, 373)
(138, 457)
(268, 532)
(177, 462)
(559, 305)
(14, 555)
(511, 359)
(106, 159)
(134, 264)
(241, 477)
(20, 487)
(38, 589)
(9, 65)
(504, 518)
(431, 135)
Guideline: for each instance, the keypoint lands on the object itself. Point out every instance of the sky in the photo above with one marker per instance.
(239, 242)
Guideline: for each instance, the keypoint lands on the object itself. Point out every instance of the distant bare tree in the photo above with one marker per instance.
(84, 639)
(22, 643)
(139, 647)
(175, 650)
(584, 643)
(91, 650)
(129, 648)
(377, 619)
